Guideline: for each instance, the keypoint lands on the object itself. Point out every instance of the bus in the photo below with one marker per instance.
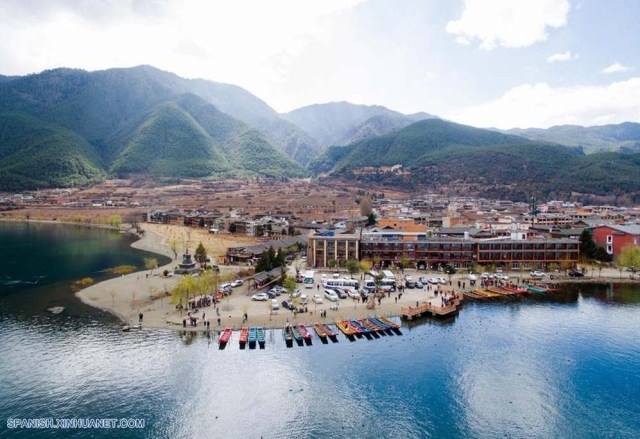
(308, 279)
(340, 282)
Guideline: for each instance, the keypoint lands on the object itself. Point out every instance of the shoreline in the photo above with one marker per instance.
(144, 292)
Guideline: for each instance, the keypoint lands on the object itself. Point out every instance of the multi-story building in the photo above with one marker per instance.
(613, 237)
(422, 250)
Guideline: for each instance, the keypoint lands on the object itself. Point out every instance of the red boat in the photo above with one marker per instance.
(304, 332)
(225, 336)
(244, 336)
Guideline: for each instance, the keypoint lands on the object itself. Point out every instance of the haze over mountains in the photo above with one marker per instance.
(67, 127)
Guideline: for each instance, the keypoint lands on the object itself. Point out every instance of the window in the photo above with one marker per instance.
(609, 249)
(609, 239)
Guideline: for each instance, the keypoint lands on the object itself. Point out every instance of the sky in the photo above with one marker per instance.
(486, 63)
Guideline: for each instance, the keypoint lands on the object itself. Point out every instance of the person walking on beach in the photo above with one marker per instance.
(218, 321)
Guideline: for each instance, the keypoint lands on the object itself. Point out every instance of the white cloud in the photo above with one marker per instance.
(509, 23)
(563, 56)
(540, 105)
(616, 68)
(462, 41)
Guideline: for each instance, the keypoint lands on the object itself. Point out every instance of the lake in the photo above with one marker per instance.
(562, 366)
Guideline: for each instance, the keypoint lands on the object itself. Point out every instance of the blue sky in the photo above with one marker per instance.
(501, 63)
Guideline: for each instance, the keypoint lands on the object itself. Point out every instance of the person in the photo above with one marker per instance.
(396, 299)
(218, 321)
(218, 312)
(417, 303)
(202, 316)
(184, 323)
(140, 317)
(318, 287)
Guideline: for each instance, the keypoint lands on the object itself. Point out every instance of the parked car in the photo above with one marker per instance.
(331, 295)
(286, 304)
(261, 297)
(340, 293)
(225, 289)
(501, 276)
(433, 280)
(236, 283)
(296, 293)
(410, 284)
(472, 277)
(537, 273)
(442, 281)
(303, 299)
(271, 294)
(423, 280)
(419, 285)
(279, 290)
(576, 273)
(353, 294)
(317, 298)
(274, 304)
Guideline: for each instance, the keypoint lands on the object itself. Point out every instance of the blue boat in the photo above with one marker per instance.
(253, 335)
(536, 290)
(260, 335)
(365, 331)
(387, 328)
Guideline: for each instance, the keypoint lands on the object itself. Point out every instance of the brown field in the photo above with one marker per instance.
(304, 199)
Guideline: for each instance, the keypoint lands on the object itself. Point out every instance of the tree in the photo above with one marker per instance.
(601, 255)
(271, 255)
(201, 254)
(629, 257)
(114, 220)
(150, 263)
(365, 265)
(331, 263)
(279, 260)
(353, 267)
(587, 245)
(173, 245)
(371, 219)
(201, 222)
(366, 206)
(450, 271)
(232, 228)
(290, 284)
(263, 263)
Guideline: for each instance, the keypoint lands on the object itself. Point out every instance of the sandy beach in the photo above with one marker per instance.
(146, 292)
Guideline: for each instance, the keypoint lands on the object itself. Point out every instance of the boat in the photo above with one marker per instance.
(363, 330)
(321, 332)
(473, 295)
(514, 289)
(287, 334)
(244, 334)
(346, 329)
(304, 332)
(499, 291)
(394, 326)
(536, 289)
(126, 328)
(485, 293)
(332, 335)
(225, 337)
(296, 335)
(260, 336)
(253, 334)
(384, 328)
(373, 329)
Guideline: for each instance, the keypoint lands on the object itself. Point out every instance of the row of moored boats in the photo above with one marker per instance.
(372, 327)
(498, 291)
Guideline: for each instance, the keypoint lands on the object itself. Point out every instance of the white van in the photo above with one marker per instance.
(303, 299)
(275, 305)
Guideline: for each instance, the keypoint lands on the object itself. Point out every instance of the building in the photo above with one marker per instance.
(389, 247)
(613, 237)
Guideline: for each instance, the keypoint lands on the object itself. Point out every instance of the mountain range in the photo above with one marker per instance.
(67, 127)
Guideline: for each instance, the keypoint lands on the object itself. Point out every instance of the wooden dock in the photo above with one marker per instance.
(427, 308)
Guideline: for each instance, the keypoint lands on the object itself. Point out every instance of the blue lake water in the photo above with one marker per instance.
(562, 367)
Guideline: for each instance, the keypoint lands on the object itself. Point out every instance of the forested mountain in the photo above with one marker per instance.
(122, 121)
(624, 137)
(342, 123)
(114, 96)
(437, 153)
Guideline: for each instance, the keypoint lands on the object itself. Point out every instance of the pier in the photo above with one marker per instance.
(431, 308)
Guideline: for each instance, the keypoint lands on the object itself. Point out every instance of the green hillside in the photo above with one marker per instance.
(36, 154)
(624, 137)
(170, 143)
(437, 153)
